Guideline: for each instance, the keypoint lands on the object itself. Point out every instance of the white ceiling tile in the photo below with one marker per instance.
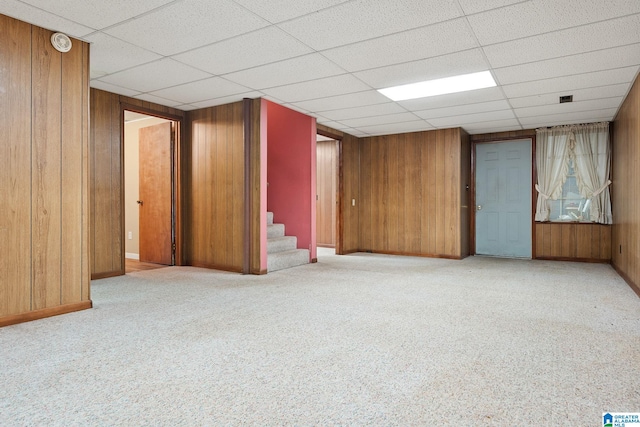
(475, 6)
(619, 90)
(393, 128)
(97, 84)
(166, 73)
(357, 133)
(425, 42)
(248, 50)
(98, 13)
(492, 126)
(367, 111)
(569, 118)
(547, 16)
(332, 124)
(157, 100)
(109, 55)
(302, 68)
(454, 121)
(201, 90)
(568, 83)
(468, 61)
(282, 10)
(187, 25)
(27, 13)
(380, 120)
(358, 99)
(453, 99)
(460, 110)
(187, 107)
(226, 99)
(364, 19)
(602, 35)
(618, 57)
(320, 88)
(569, 107)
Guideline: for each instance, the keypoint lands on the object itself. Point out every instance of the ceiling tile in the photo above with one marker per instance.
(475, 6)
(367, 111)
(248, 50)
(166, 73)
(331, 124)
(97, 84)
(187, 25)
(320, 88)
(460, 110)
(364, 19)
(472, 118)
(567, 83)
(226, 99)
(98, 14)
(187, 107)
(109, 55)
(358, 99)
(619, 90)
(569, 107)
(27, 13)
(302, 68)
(425, 42)
(282, 10)
(380, 120)
(465, 62)
(494, 126)
(602, 35)
(548, 15)
(201, 90)
(569, 118)
(583, 63)
(453, 99)
(157, 100)
(393, 128)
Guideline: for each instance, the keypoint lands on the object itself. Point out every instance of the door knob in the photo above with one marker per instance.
(479, 207)
(139, 202)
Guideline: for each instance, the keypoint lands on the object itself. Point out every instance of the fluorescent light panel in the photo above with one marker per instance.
(443, 86)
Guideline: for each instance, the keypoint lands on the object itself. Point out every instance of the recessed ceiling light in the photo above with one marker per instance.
(443, 86)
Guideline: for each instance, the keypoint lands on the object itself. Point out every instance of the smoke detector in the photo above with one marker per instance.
(61, 42)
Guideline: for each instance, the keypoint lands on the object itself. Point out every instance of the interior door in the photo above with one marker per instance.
(155, 147)
(503, 199)
(326, 183)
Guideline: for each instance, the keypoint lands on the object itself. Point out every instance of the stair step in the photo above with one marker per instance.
(269, 218)
(275, 230)
(280, 244)
(287, 259)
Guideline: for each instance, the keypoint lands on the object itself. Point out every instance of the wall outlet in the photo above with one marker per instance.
(130, 235)
(353, 202)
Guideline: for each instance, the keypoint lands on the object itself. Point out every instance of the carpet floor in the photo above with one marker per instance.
(361, 339)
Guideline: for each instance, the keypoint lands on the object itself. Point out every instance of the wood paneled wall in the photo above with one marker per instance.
(327, 186)
(107, 178)
(349, 191)
(413, 193)
(573, 242)
(44, 178)
(625, 196)
(214, 191)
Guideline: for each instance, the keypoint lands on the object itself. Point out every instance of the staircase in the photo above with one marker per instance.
(281, 250)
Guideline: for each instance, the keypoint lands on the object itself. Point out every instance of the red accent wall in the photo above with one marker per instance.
(291, 173)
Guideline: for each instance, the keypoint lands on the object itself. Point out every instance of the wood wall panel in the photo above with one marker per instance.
(44, 243)
(417, 177)
(625, 189)
(326, 184)
(216, 187)
(579, 242)
(349, 184)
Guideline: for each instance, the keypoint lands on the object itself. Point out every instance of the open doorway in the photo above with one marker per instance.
(327, 151)
(149, 191)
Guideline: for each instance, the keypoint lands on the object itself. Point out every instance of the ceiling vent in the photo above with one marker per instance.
(566, 98)
(61, 42)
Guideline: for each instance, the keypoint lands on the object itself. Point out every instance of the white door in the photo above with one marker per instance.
(503, 199)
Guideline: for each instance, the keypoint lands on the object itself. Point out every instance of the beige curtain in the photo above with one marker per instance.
(592, 165)
(552, 162)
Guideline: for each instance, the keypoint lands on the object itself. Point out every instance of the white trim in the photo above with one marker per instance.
(132, 256)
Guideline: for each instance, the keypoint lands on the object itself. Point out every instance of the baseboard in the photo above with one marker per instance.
(350, 251)
(411, 254)
(44, 313)
(627, 279)
(130, 255)
(314, 260)
(570, 259)
(106, 274)
(215, 267)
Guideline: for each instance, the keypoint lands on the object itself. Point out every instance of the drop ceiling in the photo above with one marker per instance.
(327, 58)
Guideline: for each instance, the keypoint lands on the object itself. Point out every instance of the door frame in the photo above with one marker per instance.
(494, 139)
(339, 187)
(176, 178)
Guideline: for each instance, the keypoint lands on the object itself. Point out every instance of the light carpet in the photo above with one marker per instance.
(352, 340)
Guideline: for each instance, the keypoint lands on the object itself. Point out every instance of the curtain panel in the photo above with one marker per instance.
(552, 162)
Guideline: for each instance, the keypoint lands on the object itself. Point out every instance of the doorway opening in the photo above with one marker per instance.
(149, 191)
(327, 193)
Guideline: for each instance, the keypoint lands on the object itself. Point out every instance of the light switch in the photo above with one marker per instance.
(130, 235)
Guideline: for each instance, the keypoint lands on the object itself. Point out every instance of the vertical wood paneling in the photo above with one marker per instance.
(625, 197)
(15, 173)
(326, 185)
(465, 192)
(582, 242)
(350, 182)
